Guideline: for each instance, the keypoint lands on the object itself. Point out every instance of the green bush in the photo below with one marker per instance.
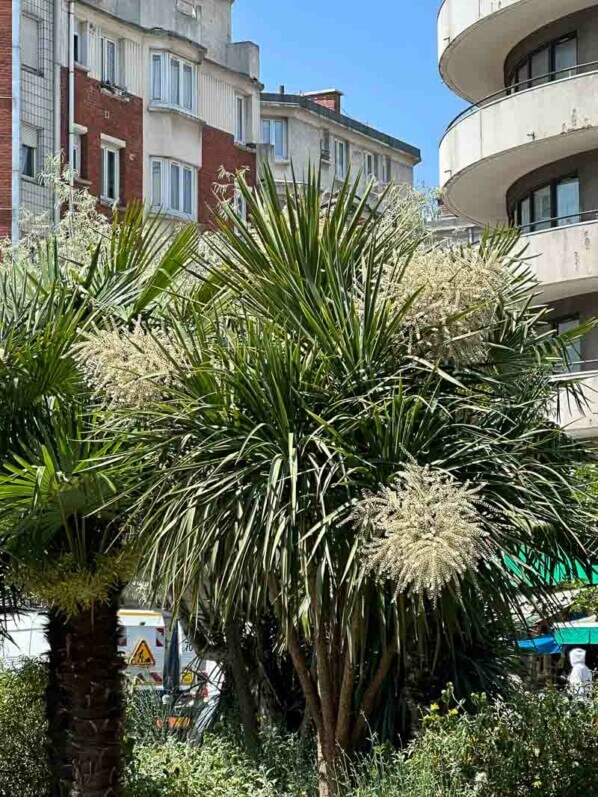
(23, 771)
(221, 769)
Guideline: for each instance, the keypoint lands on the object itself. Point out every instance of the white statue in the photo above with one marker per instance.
(580, 679)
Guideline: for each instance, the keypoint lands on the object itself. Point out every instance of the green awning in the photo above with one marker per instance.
(576, 635)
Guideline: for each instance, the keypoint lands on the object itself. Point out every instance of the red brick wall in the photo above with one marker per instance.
(100, 113)
(219, 149)
(330, 100)
(5, 117)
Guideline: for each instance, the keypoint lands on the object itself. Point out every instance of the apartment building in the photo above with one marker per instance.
(147, 99)
(526, 150)
(299, 130)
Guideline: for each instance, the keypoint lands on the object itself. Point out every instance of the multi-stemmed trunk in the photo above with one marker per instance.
(85, 702)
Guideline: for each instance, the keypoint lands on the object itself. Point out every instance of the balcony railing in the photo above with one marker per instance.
(557, 222)
(529, 84)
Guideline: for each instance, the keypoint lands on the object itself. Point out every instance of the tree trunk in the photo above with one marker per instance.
(243, 692)
(57, 709)
(86, 702)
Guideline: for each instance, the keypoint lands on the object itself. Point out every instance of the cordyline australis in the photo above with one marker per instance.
(312, 380)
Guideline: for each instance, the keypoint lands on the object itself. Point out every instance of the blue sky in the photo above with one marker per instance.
(383, 56)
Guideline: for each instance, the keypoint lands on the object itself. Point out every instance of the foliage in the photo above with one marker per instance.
(299, 390)
(220, 768)
(23, 771)
(67, 585)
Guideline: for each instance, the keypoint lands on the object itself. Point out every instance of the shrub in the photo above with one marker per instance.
(532, 744)
(23, 771)
(221, 769)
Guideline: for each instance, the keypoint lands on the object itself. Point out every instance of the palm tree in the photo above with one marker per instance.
(69, 541)
(358, 436)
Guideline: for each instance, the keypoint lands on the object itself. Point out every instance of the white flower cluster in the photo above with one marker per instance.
(80, 229)
(426, 531)
(456, 304)
(130, 368)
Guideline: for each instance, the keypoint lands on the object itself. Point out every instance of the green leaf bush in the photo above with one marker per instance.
(23, 771)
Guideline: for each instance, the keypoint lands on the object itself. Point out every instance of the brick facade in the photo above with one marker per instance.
(219, 149)
(5, 118)
(100, 112)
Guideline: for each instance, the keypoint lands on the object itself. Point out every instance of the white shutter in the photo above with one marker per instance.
(30, 42)
(29, 136)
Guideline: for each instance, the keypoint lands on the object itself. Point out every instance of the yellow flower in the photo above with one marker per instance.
(434, 707)
(537, 784)
(453, 712)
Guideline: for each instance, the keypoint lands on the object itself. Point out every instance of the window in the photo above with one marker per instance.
(173, 82)
(173, 187)
(371, 165)
(240, 205)
(275, 133)
(386, 170)
(110, 189)
(109, 61)
(325, 145)
(563, 326)
(77, 156)
(30, 43)
(240, 118)
(340, 158)
(29, 148)
(555, 204)
(553, 61)
(80, 43)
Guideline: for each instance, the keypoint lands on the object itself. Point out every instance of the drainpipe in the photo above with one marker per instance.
(71, 98)
(16, 119)
(57, 92)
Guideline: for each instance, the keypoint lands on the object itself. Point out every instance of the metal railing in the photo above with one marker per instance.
(558, 222)
(536, 82)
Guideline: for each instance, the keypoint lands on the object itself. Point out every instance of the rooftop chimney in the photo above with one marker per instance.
(329, 98)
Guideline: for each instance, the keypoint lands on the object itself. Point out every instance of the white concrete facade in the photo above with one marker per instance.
(526, 151)
(319, 137)
(197, 35)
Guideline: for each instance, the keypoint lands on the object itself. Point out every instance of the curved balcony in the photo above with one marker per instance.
(475, 37)
(509, 134)
(581, 421)
(565, 258)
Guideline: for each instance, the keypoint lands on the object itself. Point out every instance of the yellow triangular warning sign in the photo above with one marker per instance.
(142, 655)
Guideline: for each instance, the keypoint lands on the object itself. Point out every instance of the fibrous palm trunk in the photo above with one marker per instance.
(85, 703)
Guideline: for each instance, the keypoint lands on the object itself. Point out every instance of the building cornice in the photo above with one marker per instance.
(307, 104)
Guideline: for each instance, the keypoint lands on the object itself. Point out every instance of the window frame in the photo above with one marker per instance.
(374, 171)
(555, 216)
(241, 130)
(184, 170)
(575, 366)
(81, 37)
(272, 122)
(105, 41)
(340, 143)
(526, 61)
(112, 149)
(29, 133)
(166, 59)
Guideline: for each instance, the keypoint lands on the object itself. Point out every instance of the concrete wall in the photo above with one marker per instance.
(485, 153)
(584, 165)
(584, 23)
